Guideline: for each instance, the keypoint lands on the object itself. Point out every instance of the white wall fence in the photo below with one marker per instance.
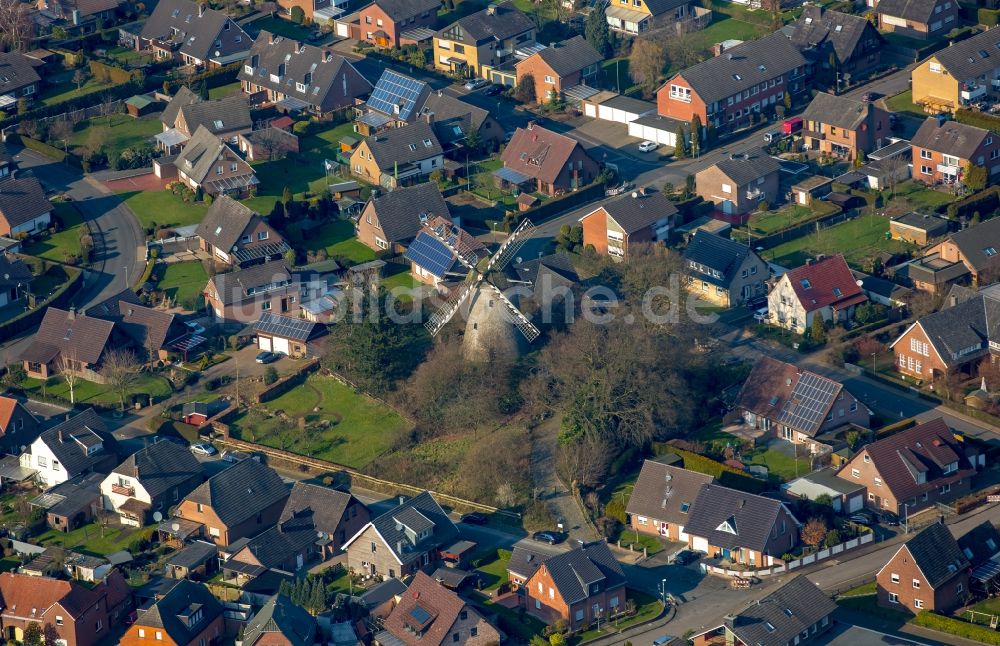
(816, 557)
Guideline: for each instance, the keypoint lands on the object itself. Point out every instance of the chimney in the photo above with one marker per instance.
(717, 49)
(492, 10)
(729, 621)
(402, 499)
(531, 125)
(72, 313)
(429, 117)
(809, 261)
(201, 10)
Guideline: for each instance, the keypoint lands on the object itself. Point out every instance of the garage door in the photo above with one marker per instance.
(264, 343)
(605, 112)
(590, 110)
(855, 504)
(700, 544)
(621, 116)
(343, 30)
(281, 345)
(681, 534)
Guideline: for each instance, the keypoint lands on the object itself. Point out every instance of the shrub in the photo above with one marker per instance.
(957, 627)
(832, 538)
(300, 128)
(270, 375)
(726, 475)
(988, 17)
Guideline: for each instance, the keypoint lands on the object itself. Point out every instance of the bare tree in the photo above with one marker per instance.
(67, 368)
(109, 106)
(646, 63)
(894, 167)
(16, 26)
(683, 51)
(121, 369)
(275, 143)
(60, 130)
(79, 77)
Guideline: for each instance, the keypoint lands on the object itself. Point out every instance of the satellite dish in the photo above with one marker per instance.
(175, 527)
(860, 283)
(157, 516)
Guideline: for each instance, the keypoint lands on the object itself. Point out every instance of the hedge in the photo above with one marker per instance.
(891, 429)
(957, 627)
(978, 119)
(986, 202)
(988, 17)
(116, 74)
(212, 78)
(47, 150)
(726, 475)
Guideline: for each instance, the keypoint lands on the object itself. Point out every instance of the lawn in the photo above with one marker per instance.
(724, 27)
(223, 91)
(126, 56)
(337, 238)
(121, 132)
(515, 622)
(866, 589)
(279, 27)
(903, 102)
(615, 75)
(66, 243)
(90, 392)
(778, 459)
(88, 539)
(402, 279)
(859, 239)
(647, 607)
(162, 208)
(772, 221)
(183, 281)
(65, 89)
(493, 573)
(923, 198)
(340, 425)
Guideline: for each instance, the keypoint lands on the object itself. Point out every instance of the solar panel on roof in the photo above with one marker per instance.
(810, 399)
(420, 615)
(285, 327)
(431, 254)
(396, 94)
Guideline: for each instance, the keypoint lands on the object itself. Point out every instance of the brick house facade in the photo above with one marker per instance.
(842, 127)
(661, 500)
(554, 591)
(78, 616)
(384, 30)
(943, 150)
(928, 572)
(560, 67)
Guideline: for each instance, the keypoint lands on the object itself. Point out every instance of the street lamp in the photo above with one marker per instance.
(663, 592)
(599, 611)
(874, 371)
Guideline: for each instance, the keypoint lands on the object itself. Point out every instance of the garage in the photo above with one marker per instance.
(264, 343)
(855, 504)
(286, 335)
(609, 106)
(590, 110)
(653, 127)
(700, 544)
(281, 345)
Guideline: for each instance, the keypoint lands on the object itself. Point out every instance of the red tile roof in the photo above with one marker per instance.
(32, 596)
(7, 407)
(428, 600)
(824, 282)
(538, 152)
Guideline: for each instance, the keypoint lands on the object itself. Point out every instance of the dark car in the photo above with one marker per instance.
(493, 90)
(888, 518)
(315, 36)
(686, 556)
(871, 96)
(552, 538)
(475, 518)
(860, 519)
(267, 357)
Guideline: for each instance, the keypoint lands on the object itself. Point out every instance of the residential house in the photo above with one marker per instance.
(67, 341)
(738, 184)
(960, 74)
(24, 209)
(18, 427)
(798, 612)
(280, 622)
(928, 572)
(429, 614)
(913, 469)
(236, 235)
(78, 615)
(943, 151)
(214, 167)
(399, 155)
(752, 77)
(922, 19)
(15, 280)
(18, 79)
(981, 544)
(969, 255)
(247, 294)
(402, 540)
(561, 67)
(335, 514)
(797, 405)
(843, 127)
(723, 271)
(197, 561)
(392, 23)
(150, 480)
(741, 527)
(226, 118)
(152, 332)
(523, 562)
(824, 287)
(194, 35)
(484, 40)
(539, 160)
(390, 221)
(882, 291)
(845, 497)
(639, 16)
(73, 503)
(917, 228)
(453, 119)
(268, 144)
(79, 444)
(577, 586)
(837, 42)
(432, 256)
(187, 615)
(295, 75)
(638, 218)
(287, 546)
(661, 500)
(286, 334)
(80, 17)
(239, 502)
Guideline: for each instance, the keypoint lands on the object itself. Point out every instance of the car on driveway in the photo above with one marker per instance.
(648, 146)
(194, 327)
(475, 84)
(267, 357)
(493, 90)
(203, 449)
(686, 556)
(760, 315)
(552, 538)
(475, 518)
(861, 519)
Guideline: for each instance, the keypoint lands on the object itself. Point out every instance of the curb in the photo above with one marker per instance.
(670, 612)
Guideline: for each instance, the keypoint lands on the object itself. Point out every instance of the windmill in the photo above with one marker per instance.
(495, 325)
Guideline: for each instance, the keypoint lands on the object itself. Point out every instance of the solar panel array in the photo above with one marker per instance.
(394, 91)
(431, 254)
(809, 402)
(285, 327)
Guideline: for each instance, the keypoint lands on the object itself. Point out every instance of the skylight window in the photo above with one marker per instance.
(990, 251)
(428, 143)
(413, 146)
(217, 123)
(788, 612)
(837, 292)
(218, 230)
(769, 626)
(805, 283)
(175, 13)
(684, 507)
(737, 77)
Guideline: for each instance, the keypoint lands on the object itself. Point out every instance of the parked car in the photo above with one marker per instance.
(552, 538)
(648, 146)
(871, 96)
(475, 84)
(686, 556)
(773, 137)
(232, 457)
(860, 519)
(760, 315)
(664, 640)
(203, 449)
(475, 518)
(493, 90)
(194, 327)
(267, 357)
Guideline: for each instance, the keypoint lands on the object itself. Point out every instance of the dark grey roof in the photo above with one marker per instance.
(964, 60)
(749, 167)
(14, 272)
(843, 31)
(559, 264)
(240, 492)
(16, 73)
(182, 598)
(932, 224)
(660, 7)
(399, 211)
(200, 154)
(666, 493)
(720, 254)
(280, 615)
(73, 496)
(839, 111)
(406, 145)
(980, 544)
(382, 592)
(183, 96)
(951, 137)
(570, 56)
(974, 241)
(232, 286)
(22, 200)
(400, 526)
(219, 116)
(573, 572)
(279, 544)
(162, 466)
(524, 561)
(743, 66)
(110, 308)
(636, 211)
(780, 617)
(225, 222)
(325, 506)
(199, 35)
(193, 554)
(964, 325)
(400, 9)
(753, 517)
(451, 113)
(497, 22)
(915, 10)
(936, 552)
(333, 81)
(70, 440)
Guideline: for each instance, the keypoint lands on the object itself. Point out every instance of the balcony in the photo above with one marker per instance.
(122, 490)
(814, 134)
(946, 169)
(970, 93)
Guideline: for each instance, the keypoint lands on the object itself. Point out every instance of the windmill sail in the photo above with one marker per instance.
(441, 317)
(519, 320)
(511, 246)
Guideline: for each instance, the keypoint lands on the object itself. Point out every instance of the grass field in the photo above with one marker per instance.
(121, 132)
(66, 243)
(772, 221)
(90, 392)
(89, 540)
(280, 27)
(922, 198)
(903, 102)
(337, 237)
(493, 571)
(360, 429)
(223, 91)
(183, 281)
(778, 459)
(162, 208)
(126, 56)
(725, 27)
(858, 239)
(64, 90)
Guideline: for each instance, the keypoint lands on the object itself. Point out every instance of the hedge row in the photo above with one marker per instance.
(986, 202)
(49, 151)
(978, 119)
(212, 77)
(957, 627)
(988, 17)
(115, 74)
(726, 475)
(892, 429)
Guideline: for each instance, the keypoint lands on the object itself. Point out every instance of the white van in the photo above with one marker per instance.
(772, 137)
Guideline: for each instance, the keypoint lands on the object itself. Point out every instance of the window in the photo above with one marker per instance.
(262, 235)
(55, 465)
(579, 615)
(916, 584)
(142, 633)
(552, 593)
(98, 625)
(454, 637)
(871, 497)
(59, 620)
(374, 547)
(219, 170)
(855, 473)
(926, 170)
(726, 188)
(550, 80)
(918, 603)
(43, 461)
(201, 507)
(474, 631)
(213, 532)
(925, 154)
(893, 597)
(642, 520)
(894, 577)
(680, 93)
(878, 482)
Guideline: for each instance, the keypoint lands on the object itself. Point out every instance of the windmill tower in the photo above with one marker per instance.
(495, 326)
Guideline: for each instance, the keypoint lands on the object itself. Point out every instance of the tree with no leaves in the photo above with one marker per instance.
(16, 26)
(61, 131)
(121, 369)
(79, 77)
(525, 90)
(814, 532)
(646, 63)
(274, 143)
(67, 368)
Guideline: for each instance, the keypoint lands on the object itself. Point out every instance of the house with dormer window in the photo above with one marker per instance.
(398, 156)
(961, 258)
(213, 166)
(150, 480)
(723, 271)
(236, 235)
(661, 500)
(741, 527)
(78, 445)
(193, 34)
(401, 541)
(738, 184)
(538, 159)
(824, 287)
(928, 572)
(187, 615)
(244, 295)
